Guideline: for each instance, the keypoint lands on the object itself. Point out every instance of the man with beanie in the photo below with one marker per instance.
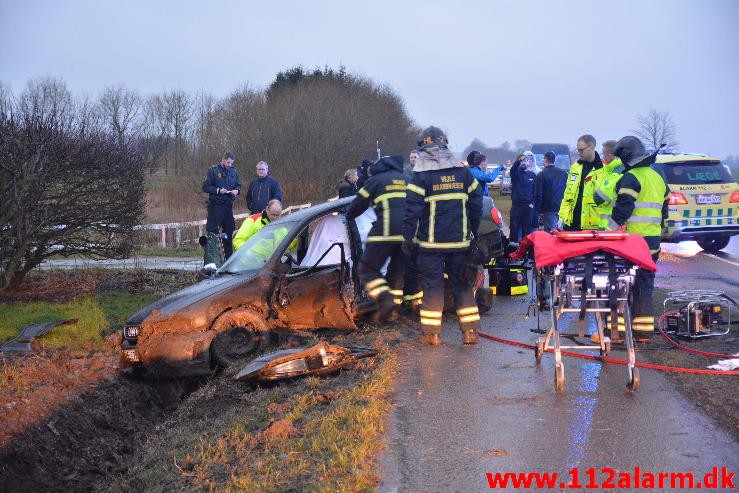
(262, 189)
(222, 186)
(363, 172)
(385, 191)
(549, 187)
(443, 208)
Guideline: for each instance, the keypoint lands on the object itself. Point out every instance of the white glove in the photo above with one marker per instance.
(560, 224)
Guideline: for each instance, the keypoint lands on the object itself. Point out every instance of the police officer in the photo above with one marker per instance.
(578, 210)
(641, 206)
(385, 191)
(443, 207)
(222, 186)
(606, 194)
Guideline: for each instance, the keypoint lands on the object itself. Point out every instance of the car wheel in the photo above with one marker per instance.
(713, 244)
(240, 333)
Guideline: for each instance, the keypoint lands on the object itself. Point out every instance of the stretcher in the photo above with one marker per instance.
(587, 273)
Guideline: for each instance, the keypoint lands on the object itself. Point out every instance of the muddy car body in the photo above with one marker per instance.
(296, 273)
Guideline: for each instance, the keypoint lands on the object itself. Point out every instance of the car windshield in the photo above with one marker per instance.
(259, 248)
(696, 172)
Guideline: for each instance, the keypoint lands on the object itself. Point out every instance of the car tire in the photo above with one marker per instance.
(240, 333)
(713, 244)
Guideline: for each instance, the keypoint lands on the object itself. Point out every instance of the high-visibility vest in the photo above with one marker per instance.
(607, 191)
(646, 219)
(590, 215)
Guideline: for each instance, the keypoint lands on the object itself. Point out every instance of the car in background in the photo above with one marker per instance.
(704, 200)
(561, 152)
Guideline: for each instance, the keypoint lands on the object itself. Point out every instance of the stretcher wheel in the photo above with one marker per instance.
(633, 384)
(559, 378)
(539, 350)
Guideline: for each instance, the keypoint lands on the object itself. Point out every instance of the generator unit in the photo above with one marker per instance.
(695, 314)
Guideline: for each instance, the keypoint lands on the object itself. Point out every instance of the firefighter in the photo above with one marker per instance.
(443, 207)
(385, 191)
(641, 207)
(606, 194)
(578, 210)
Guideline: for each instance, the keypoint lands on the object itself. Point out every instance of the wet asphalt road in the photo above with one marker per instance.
(462, 412)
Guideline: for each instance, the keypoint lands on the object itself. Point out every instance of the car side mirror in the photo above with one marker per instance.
(209, 269)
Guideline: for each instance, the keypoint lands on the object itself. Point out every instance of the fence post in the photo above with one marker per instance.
(178, 235)
(164, 236)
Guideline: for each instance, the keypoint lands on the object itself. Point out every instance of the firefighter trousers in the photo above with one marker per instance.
(370, 274)
(432, 267)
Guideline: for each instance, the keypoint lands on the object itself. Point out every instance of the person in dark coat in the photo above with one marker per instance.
(222, 186)
(549, 187)
(385, 190)
(348, 184)
(522, 197)
(262, 189)
(363, 172)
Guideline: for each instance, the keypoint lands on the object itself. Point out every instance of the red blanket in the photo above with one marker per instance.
(550, 250)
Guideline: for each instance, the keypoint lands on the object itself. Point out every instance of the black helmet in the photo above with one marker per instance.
(432, 136)
(630, 150)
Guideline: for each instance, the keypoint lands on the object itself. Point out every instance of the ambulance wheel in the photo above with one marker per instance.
(713, 244)
(539, 350)
(559, 378)
(633, 384)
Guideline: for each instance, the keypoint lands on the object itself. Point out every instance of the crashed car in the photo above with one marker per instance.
(297, 272)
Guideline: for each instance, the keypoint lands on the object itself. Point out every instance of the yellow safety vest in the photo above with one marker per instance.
(590, 215)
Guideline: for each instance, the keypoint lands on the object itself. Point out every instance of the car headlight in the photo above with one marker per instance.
(131, 331)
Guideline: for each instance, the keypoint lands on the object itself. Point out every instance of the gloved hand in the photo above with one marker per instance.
(560, 224)
(501, 167)
(407, 247)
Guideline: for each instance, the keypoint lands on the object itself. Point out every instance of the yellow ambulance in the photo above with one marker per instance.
(704, 200)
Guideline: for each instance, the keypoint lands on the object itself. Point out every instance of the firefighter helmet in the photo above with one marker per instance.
(631, 150)
(432, 136)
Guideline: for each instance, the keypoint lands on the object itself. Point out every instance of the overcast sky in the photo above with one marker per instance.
(546, 71)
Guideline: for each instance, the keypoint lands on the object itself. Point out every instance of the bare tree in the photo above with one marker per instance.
(48, 100)
(122, 111)
(64, 191)
(657, 128)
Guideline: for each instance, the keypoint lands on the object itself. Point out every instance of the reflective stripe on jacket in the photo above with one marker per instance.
(445, 204)
(641, 204)
(605, 196)
(385, 191)
(589, 216)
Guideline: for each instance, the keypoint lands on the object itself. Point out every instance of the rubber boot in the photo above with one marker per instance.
(469, 337)
(430, 337)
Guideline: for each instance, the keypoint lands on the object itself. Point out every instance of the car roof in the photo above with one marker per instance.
(317, 210)
(684, 158)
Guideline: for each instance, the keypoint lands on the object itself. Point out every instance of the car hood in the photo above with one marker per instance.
(191, 294)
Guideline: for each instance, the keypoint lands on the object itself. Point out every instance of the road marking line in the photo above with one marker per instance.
(721, 259)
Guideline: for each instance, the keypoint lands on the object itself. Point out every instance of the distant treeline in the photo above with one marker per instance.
(310, 126)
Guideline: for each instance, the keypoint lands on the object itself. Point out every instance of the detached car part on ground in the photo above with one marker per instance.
(298, 272)
(704, 200)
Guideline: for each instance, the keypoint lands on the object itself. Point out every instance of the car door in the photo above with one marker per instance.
(318, 291)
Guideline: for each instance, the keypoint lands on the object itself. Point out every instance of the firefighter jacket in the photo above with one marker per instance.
(385, 191)
(578, 196)
(444, 203)
(251, 225)
(641, 204)
(605, 196)
(220, 177)
(549, 187)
